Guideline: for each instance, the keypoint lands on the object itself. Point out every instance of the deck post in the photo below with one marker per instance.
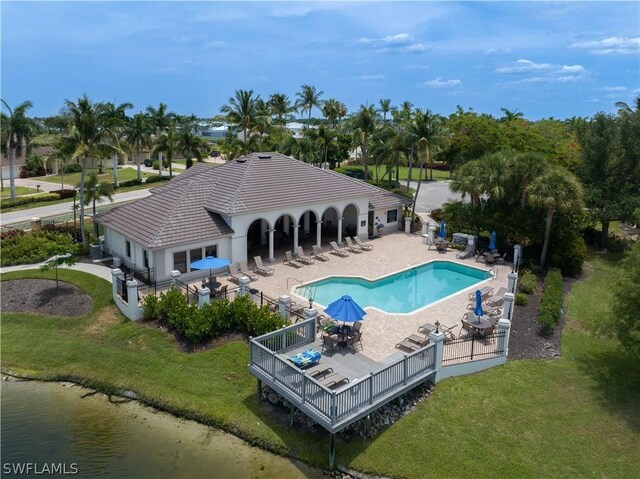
(310, 313)
(370, 388)
(507, 310)
(284, 304)
(304, 386)
(259, 390)
(334, 411)
(332, 450)
(405, 365)
(437, 338)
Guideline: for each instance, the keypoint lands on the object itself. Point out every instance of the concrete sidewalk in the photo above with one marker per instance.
(99, 270)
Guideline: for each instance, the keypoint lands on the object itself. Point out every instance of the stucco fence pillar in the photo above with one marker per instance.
(517, 256)
(204, 296)
(507, 310)
(245, 284)
(512, 282)
(284, 305)
(437, 339)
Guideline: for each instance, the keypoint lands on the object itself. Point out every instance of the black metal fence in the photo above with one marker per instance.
(474, 346)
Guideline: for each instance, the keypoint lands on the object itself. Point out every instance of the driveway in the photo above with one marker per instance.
(433, 195)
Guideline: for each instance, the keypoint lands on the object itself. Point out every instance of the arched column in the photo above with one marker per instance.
(264, 227)
(272, 257)
(319, 233)
(306, 221)
(296, 227)
(340, 230)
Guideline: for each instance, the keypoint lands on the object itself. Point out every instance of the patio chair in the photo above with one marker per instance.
(318, 254)
(466, 327)
(420, 339)
(497, 299)
(290, 261)
(356, 327)
(485, 292)
(354, 340)
(329, 341)
(441, 246)
(261, 268)
(353, 247)
(337, 250)
(362, 244)
(244, 269)
(303, 257)
(409, 345)
(220, 293)
(333, 380)
(318, 370)
(234, 274)
(489, 258)
(322, 323)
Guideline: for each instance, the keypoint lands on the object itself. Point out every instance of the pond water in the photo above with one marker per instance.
(50, 425)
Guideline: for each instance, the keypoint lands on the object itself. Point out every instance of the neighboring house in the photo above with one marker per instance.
(252, 205)
(206, 130)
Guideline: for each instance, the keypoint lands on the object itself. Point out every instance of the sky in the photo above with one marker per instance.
(543, 59)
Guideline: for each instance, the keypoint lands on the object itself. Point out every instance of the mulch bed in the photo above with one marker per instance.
(525, 340)
(41, 296)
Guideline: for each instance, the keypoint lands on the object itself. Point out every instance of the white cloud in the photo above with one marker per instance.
(543, 72)
(614, 88)
(611, 46)
(416, 66)
(497, 51)
(397, 39)
(440, 83)
(371, 77)
(402, 42)
(416, 48)
(215, 44)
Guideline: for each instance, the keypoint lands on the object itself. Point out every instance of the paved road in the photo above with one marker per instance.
(432, 195)
(62, 208)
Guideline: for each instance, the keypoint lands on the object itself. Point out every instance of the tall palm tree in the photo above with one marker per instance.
(308, 98)
(385, 107)
(466, 180)
(522, 169)
(510, 115)
(138, 133)
(334, 110)
(95, 191)
(280, 106)
(117, 116)
(624, 108)
(558, 190)
(160, 119)
(90, 135)
(167, 143)
(17, 130)
(191, 146)
(242, 110)
(364, 124)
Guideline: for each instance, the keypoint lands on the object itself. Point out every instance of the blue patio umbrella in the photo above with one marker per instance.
(210, 263)
(493, 244)
(345, 309)
(478, 311)
(443, 229)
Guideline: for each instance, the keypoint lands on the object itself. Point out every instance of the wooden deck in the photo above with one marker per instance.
(370, 386)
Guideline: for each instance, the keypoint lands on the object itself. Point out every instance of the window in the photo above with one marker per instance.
(128, 244)
(180, 261)
(145, 258)
(195, 255)
(211, 251)
(392, 216)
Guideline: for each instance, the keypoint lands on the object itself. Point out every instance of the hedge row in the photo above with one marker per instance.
(26, 200)
(156, 178)
(550, 308)
(528, 283)
(134, 182)
(213, 320)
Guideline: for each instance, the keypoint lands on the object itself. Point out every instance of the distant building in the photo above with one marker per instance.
(214, 132)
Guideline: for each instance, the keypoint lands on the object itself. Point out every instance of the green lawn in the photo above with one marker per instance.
(571, 417)
(20, 190)
(415, 173)
(73, 179)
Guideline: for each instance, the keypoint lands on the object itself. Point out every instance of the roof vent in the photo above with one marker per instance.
(241, 160)
(264, 157)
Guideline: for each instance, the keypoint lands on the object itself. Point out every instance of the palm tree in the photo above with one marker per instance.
(308, 98)
(242, 110)
(138, 134)
(89, 134)
(117, 116)
(334, 110)
(624, 108)
(95, 192)
(17, 130)
(167, 143)
(385, 107)
(191, 146)
(466, 180)
(558, 190)
(160, 120)
(364, 124)
(280, 106)
(510, 115)
(522, 170)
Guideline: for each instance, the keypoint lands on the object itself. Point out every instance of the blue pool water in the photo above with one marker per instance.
(401, 292)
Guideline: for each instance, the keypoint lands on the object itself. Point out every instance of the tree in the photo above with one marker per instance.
(242, 111)
(191, 146)
(96, 191)
(167, 143)
(17, 131)
(625, 320)
(557, 191)
(160, 120)
(364, 124)
(89, 134)
(334, 110)
(280, 106)
(385, 107)
(116, 115)
(308, 98)
(511, 115)
(137, 131)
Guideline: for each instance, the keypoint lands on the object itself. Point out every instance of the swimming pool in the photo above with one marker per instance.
(401, 292)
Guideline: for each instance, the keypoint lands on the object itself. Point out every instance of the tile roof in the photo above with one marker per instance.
(189, 207)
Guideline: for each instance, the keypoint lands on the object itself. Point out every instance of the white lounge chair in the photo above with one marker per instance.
(244, 269)
(290, 261)
(318, 254)
(234, 273)
(353, 247)
(337, 250)
(303, 257)
(362, 244)
(261, 268)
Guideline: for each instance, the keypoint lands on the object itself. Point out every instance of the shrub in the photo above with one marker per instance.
(26, 200)
(436, 215)
(73, 168)
(173, 308)
(64, 194)
(156, 178)
(550, 308)
(12, 233)
(150, 308)
(134, 182)
(155, 164)
(521, 299)
(528, 283)
(616, 244)
(35, 247)
(570, 258)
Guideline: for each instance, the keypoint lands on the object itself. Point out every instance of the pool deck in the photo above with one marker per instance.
(391, 253)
